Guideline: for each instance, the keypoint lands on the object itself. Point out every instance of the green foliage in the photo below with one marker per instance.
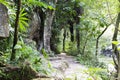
(4, 2)
(2, 74)
(23, 21)
(44, 53)
(95, 18)
(116, 43)
(6, 44)
(28, 53)
(90, 60)
(71, 50)
(39, 4)
(97, 74)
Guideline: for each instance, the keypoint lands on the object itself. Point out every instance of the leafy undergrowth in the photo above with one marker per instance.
(90, 60)
(27, 65)
(97, 74)
(97, 68)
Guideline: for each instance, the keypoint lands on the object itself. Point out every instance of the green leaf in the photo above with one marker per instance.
(23, 14)
(51, 8)
(25, 23)
(4, 2)
(44, 53)
(23, 18)
(22, 27)
(115, 42)
(18, 46)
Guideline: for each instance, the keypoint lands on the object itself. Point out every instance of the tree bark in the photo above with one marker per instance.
(97, 41)
(71, 30)
(84, 46)
(16, 30)
(64, 37)
(48, 26)
(117, 63)
(41, 31)
(47, 29)
(78, 39)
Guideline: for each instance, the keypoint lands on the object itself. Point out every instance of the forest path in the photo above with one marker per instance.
(67, 68)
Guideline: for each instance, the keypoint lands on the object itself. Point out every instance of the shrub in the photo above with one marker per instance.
(90, 60)
(72, 50)
(27, 61)
(97, 73)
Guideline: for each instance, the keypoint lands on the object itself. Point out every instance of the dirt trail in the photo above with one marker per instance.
(68, 68)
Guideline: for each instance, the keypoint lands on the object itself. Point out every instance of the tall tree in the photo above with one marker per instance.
(114, 47)
(116, 52)
(47, 26)
(18, 4)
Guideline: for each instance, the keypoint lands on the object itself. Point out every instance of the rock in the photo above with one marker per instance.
(4, 30)
(107, 52)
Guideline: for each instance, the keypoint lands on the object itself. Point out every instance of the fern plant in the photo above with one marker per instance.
(23, 21)
(6, 3)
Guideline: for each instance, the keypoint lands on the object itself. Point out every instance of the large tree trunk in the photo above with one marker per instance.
(37, 27)
(16, 30)
(47, 29)
(41, 31)
(48, 26)
(117, 62)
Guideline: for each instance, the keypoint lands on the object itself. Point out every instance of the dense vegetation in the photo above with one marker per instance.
(39, 29)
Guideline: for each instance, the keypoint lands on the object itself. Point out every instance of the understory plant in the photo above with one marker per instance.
(90, 60)
(97, 74)
(28, 62)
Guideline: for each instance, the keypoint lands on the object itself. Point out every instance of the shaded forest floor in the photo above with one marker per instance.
(68, 68)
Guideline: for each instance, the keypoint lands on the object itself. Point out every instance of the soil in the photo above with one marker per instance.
(66, 67)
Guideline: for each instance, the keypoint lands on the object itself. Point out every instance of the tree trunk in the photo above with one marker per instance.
(97, 41)
(117, 53)
(78, 40)
(47, 29)
(71, 30)
(64, 37)
(117, 63)
(37, 27)
(16, 30)
(41, 31)
(84, 47)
